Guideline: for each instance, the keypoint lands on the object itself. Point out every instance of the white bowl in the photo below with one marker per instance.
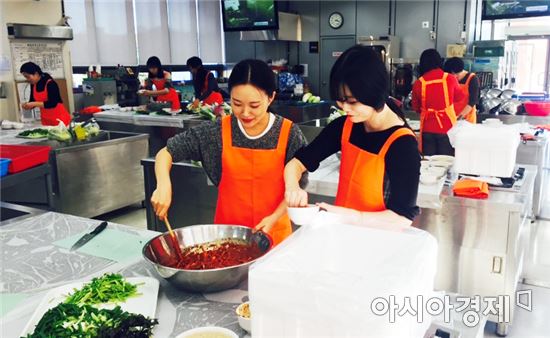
(428, 178)
(442, 158)
(244, 322)
(223, 332)
(437, 171)
(303, 215)
(442, 164)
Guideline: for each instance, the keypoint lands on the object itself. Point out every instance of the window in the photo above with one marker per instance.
(128, 32)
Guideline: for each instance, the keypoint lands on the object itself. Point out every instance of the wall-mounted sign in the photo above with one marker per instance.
(336, 54)
(314, 47)
(48, 55)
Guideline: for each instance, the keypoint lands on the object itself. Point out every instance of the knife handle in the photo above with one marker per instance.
(99, 228)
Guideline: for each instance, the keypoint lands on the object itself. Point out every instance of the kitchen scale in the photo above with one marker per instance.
(513, 183)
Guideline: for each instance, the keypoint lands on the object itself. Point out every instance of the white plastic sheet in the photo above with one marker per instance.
(322, 281)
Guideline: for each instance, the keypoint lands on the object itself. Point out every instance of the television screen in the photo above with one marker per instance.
(246, 15)
(509, 9)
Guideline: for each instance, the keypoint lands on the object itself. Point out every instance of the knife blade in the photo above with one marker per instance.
(87, 237)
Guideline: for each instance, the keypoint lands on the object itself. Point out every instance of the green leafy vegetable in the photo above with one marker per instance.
(71, 320)
(34, 133)
(110, 288)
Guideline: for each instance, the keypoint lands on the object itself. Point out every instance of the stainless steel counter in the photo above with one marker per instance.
(481, 242)
(152, 120)
(89, 178)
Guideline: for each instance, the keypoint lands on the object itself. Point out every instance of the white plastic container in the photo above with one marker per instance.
(323, 280)
(485, 150)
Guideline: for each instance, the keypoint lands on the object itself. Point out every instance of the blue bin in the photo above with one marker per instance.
(4, 164)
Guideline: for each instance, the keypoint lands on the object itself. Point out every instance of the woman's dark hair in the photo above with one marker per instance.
(33, 68)
(454, 65)
(30, 68)
(253, 72)
(429, 59)
(194, 62)
(361, 69)
(154, 62)
(199, 79)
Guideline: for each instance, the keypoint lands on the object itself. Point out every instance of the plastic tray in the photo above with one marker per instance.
(4, 163)
(24, 157)
(537, 108)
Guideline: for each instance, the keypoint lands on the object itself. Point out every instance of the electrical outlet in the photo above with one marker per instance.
(425, 24)
(433, 35)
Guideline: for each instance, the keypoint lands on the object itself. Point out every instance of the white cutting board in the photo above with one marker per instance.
(145, 303)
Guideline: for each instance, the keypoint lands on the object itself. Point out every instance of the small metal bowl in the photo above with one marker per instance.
(161, 253)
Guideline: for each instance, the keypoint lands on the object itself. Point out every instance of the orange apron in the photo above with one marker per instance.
(252, 184)
(459, 106)
(214, 97)
(171, 97)
(448, 111)
(361, 185)
(50, 116)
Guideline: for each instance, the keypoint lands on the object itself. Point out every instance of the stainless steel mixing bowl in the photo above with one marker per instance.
(160, 250)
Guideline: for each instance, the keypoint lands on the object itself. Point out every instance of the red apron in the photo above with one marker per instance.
(448, 111)
(252, 184)
(172, 95)
(459, 106)
(361, 184)
(214, 97)
(50, 116)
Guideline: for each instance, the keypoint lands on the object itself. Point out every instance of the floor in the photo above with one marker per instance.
(537, 270)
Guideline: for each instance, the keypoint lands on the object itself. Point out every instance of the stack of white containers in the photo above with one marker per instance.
(324, 279)
(485, 150)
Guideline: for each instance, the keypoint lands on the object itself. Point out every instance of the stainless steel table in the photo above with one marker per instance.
(481, 242)
(88, 178)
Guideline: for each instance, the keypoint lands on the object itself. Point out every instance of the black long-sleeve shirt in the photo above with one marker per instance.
(54, 96)
(473, 90)
(402, 161)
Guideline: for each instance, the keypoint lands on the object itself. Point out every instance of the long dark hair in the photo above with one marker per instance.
(429, 59)
(154, 62)
(253, 72)
(200, 77)
(33, 68)
(362, 70)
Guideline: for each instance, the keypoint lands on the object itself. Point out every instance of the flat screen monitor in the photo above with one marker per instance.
(510, 9)
(248, 15)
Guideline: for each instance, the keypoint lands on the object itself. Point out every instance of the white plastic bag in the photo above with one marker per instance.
(323, 280)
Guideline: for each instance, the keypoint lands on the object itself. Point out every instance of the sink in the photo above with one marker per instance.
(7, 213)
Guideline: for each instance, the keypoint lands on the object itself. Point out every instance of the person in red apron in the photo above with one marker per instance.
(163, 90)
(44, 95)
(469, 83)
(206, 87)
(433, 97)
(243, 154)
(380, 162)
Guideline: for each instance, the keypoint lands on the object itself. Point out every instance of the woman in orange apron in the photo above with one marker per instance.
(469, 84)
(434, 95)
(243, 154)
(163, 91)
(206, 87)
(44, 95)
(380, 162)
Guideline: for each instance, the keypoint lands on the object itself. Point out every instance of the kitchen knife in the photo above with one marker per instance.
(86, 238)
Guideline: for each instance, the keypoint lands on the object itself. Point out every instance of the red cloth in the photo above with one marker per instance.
(436, 100)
